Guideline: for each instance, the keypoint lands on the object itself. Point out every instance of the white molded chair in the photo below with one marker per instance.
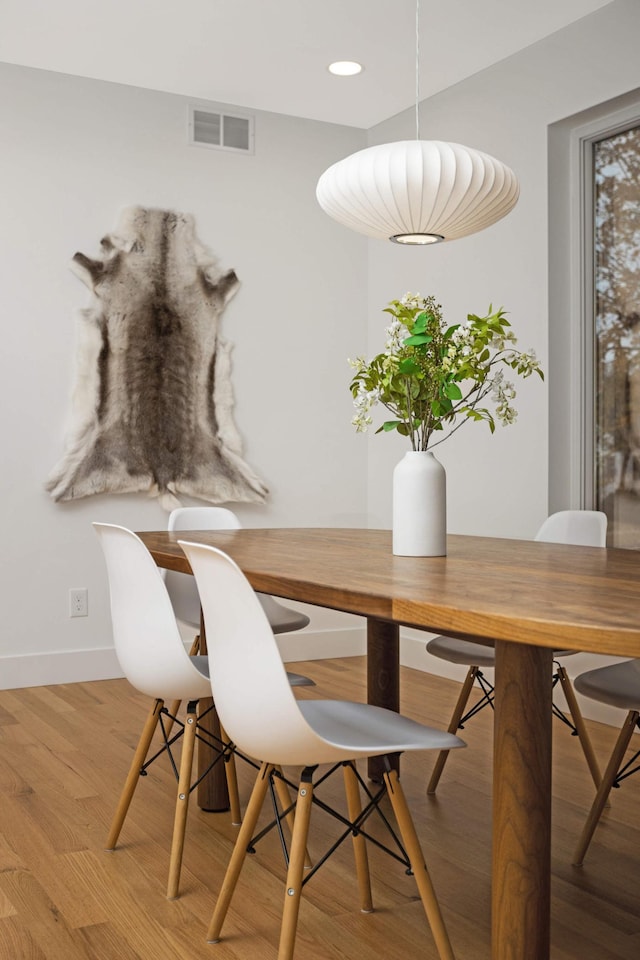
(577, 527)
(184, 593)
(617, 685)
(153, 659)
(264, 719)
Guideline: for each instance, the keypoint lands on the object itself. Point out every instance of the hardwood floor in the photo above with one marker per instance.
(64, 753)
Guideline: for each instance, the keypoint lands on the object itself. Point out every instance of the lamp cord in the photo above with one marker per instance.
(417, 69)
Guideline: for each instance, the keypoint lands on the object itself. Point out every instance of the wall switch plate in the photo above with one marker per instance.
(78, 602)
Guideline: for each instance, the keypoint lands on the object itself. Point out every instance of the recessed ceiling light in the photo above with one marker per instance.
(345, 68)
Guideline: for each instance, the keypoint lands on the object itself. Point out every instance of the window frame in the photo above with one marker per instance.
(572, 297)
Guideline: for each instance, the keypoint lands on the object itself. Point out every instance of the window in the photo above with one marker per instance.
(594, 315)
(616, 253)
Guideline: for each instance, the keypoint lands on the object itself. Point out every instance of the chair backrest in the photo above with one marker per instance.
(145, 634)
(248, 679)
(181, 586)
(585, 528)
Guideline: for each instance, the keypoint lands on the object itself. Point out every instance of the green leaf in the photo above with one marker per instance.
(408, 367)
(390, 425)
(420, 323)
(418, 340)
(452, 391)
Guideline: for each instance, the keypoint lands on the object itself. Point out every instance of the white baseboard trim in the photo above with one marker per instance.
(76, 666)
(63, 666)
(323, 644)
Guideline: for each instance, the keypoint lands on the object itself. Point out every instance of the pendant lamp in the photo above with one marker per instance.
(418, 192)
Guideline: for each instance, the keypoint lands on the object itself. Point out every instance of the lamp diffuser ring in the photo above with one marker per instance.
(418, 187)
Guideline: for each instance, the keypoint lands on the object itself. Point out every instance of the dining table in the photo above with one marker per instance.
(528, 598)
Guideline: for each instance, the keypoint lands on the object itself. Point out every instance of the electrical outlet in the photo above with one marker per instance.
(78, 602)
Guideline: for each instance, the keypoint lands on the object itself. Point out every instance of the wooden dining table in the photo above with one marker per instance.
(529, 597)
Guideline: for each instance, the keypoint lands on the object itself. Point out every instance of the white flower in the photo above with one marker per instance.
(396, 333)
(361, 422)
(503, 390)
(500, 342)
(413, 301)
(528, 363)
(506, 414)
(359, 364)
(363, 401)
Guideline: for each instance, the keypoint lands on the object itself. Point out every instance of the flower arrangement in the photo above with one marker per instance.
(432, 377)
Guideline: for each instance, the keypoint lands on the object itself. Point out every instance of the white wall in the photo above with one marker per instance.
(74, 152)
(497, 485)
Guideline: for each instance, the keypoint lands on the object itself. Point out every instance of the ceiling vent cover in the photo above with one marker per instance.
(222, 131)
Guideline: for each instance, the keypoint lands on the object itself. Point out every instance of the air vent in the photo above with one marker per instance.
(222, 131)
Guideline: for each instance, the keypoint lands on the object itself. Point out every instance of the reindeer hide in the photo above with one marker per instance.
(152, 405)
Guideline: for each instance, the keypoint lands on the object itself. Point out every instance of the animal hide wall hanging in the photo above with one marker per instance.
(153, 400)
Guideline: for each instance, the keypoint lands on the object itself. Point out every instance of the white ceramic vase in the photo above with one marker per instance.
(419, 506)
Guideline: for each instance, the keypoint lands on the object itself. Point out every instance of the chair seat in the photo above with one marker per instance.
(361, 729)
(462, 652)
(202, 665)
(282, 619)
(467, 654)
(616, 685)
(299, 680)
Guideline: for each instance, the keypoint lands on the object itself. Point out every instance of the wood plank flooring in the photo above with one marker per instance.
(64, 753)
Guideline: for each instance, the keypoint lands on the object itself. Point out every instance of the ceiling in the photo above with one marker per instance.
(273, 54)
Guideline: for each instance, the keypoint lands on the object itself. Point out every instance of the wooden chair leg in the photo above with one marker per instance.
(239, 852)
(354, 805)
(133, 776)
(182, 802)
(606, 783)
(579, 724)
(232, 783)
(418, 867)
(282, 791)
(456, 717)
(296, 868)
(175, 706)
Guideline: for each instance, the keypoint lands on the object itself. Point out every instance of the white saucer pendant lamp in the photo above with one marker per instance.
(418, 191)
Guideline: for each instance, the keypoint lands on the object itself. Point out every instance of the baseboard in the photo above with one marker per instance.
(76, 666)
(323, 644)
(63, 666)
